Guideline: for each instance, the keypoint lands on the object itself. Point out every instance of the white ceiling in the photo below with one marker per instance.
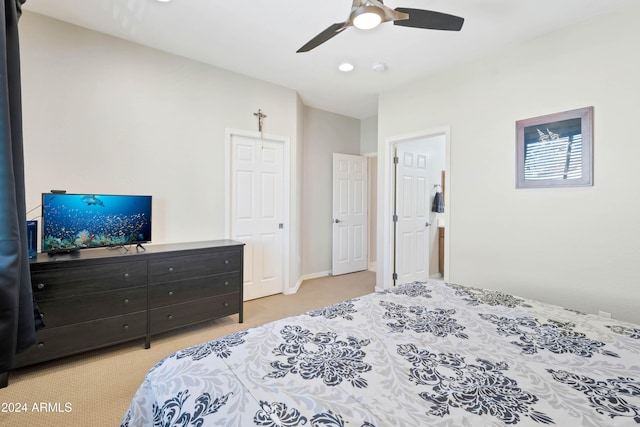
(259, 38)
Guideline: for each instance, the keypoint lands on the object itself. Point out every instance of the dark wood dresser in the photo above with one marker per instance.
(99, 297)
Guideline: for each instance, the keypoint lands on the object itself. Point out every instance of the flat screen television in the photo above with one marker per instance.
(77, 221)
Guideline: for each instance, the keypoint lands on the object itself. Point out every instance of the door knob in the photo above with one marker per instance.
(337, 221)
(427, 224)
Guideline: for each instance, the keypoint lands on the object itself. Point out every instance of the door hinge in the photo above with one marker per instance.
(395, 218)
(281, 226)
(396, 160)
(394, 276)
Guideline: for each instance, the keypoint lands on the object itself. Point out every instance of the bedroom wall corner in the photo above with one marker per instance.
(369, 148)
(297, 219)
(325, 133)
(369, 136)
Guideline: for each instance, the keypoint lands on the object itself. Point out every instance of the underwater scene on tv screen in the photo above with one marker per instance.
(76, 221)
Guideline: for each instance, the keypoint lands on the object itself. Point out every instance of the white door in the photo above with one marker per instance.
(412, 210)
(349, 214)
(257, 193)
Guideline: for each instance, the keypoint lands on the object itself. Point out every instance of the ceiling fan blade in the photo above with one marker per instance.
(429, 20)
(327, 34)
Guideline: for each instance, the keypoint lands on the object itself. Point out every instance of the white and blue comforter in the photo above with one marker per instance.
(424, 354)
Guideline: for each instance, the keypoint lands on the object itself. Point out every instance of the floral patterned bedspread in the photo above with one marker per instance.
(424, 354)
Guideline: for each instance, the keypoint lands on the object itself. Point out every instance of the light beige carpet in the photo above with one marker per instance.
(94, 389)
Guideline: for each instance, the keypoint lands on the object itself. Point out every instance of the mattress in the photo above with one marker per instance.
(423, 354)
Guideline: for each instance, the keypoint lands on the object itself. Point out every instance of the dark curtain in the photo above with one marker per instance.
(17, 330)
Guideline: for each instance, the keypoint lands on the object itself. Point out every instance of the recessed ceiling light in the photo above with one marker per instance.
(163, 1)
(346, 67)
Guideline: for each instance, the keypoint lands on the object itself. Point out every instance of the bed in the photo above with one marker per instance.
(423, 354)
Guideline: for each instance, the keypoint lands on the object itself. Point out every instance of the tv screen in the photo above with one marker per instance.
(77, 221)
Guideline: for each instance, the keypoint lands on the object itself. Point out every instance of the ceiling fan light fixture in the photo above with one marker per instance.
(367, 17)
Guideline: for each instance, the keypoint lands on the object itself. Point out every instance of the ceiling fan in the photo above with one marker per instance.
(368, 14)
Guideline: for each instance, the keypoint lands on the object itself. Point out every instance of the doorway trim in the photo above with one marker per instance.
(286, 191)
(386, 190)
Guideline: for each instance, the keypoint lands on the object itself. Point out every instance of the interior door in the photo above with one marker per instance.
(257, 188)
(349, 214)
(412, 210)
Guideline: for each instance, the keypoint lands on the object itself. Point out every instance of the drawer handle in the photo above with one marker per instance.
(40, 345)
(170, 269)
(226, 262)
(126, 301)
(170, 293)
(225, 304)
(125, 275)
(170, 317)
(40, 286)
(226, 283)
(125, 326)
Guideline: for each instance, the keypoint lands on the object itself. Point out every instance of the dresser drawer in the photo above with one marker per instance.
(174, 316)
(52, 343)
(170, 293)
(101, 297)
(81, 280)
(190, 266)
(65, 311)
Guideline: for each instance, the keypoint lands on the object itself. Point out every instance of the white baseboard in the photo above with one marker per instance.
(293, 290)
(316, 275)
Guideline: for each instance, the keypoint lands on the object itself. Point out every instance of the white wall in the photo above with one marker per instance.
(372, 176)
(369, 147)
(297, 230)
(576, 247)
(369, 135)
(102, 115)
(325, 133)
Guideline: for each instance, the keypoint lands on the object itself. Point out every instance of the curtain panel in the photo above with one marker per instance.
(17, 330)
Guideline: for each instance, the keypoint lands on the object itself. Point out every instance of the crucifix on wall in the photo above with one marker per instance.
(261, 116)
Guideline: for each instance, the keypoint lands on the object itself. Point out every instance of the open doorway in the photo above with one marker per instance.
(398, 250)
(418, 166)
